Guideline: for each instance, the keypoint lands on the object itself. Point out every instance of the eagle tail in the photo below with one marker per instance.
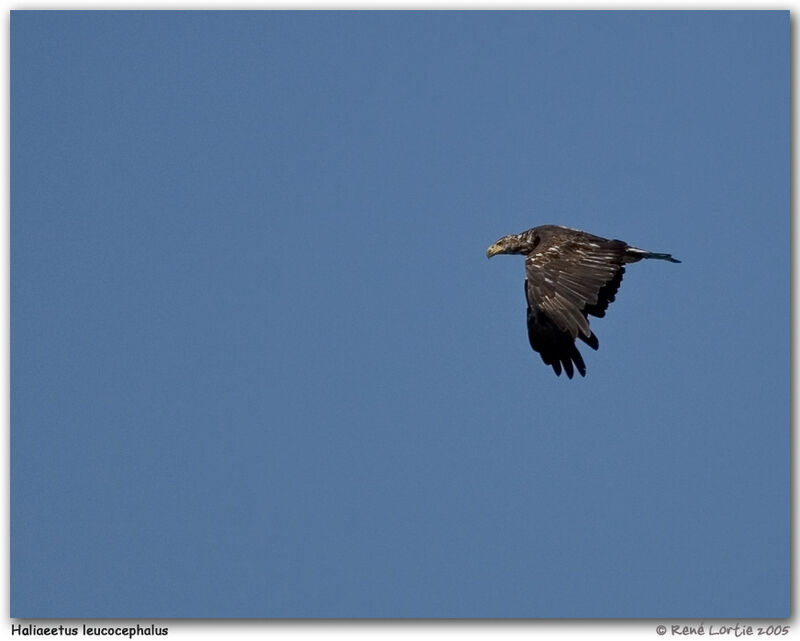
(661, 257)
(633, 254)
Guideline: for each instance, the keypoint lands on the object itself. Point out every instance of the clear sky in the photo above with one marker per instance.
(261, 366)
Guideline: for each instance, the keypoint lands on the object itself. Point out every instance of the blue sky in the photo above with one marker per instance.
(261, 366)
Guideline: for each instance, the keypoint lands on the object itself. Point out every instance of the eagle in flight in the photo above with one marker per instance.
(569, 274)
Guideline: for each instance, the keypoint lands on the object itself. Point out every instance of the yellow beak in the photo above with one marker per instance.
(493, 249)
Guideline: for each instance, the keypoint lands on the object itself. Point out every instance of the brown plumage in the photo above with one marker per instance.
(569, 275)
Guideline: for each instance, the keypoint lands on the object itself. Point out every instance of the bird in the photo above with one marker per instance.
(570, 274)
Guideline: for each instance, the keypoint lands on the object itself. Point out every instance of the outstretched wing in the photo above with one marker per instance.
(570, 275)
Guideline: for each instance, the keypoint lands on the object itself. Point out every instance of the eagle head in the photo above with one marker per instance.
(511, 244)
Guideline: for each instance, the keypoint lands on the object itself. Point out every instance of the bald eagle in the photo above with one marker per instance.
(569, 274)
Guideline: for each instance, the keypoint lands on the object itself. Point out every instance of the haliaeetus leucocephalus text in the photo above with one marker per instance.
(569, 274)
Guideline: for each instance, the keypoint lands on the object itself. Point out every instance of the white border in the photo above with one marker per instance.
(396, 629)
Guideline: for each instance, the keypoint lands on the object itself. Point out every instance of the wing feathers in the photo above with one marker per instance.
(557, 348)
(591, 341)
(570, 276)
